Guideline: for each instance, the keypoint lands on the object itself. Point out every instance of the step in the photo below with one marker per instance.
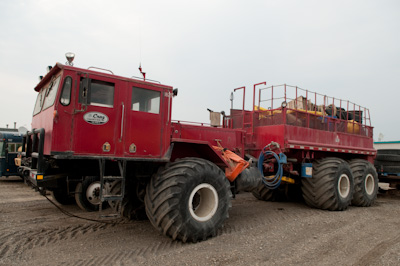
(113, 215)
(112, 197)
(110, 177)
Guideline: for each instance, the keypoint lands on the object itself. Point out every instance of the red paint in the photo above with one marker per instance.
(296, 129)
(69, 133)
(134, 133)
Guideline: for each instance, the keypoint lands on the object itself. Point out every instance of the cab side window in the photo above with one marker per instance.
(144, 100)
(101, 93)
(2, 149)
(65, 98)
(96, 92)
(12, 147)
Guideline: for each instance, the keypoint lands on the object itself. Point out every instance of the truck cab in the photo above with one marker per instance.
(9, 144)
(90, 113)
(83, 117)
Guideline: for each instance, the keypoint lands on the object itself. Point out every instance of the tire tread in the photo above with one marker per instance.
(319, 191)
(165, 189)
(360, 168)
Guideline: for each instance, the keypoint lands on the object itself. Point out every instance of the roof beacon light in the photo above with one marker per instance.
(70, 57)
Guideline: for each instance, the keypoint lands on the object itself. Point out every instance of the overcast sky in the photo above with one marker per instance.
(345, 49)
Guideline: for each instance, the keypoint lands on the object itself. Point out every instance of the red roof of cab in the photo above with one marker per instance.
(58, 66)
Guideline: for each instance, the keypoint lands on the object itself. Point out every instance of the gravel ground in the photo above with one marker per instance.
(34, 232)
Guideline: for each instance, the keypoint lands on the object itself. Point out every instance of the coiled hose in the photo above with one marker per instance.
(272, 182)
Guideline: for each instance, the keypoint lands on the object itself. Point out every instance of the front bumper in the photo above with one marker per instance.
(35, 179)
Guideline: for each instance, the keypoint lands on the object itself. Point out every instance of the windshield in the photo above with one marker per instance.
(39, 102)
(2, 149)
(47, 95)
(51, 93)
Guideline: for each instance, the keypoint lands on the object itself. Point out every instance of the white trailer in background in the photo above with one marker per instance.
(387, 145)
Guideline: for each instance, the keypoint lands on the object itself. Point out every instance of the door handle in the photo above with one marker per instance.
(122, 122)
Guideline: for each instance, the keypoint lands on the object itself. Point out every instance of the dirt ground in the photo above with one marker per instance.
(35, 232)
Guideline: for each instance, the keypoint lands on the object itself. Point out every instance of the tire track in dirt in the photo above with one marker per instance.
(377, 251)
(165, 244)
(338, 237)
(131, 257)
(268, 218)
(17, 242)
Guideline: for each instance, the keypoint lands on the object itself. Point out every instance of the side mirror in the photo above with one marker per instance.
(175, 92)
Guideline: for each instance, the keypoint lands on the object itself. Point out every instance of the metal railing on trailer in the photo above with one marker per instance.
(292, 105)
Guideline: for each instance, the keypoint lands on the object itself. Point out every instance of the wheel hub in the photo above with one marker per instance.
(93, 193)
(344, 186)
(203, 202)
(369, 184)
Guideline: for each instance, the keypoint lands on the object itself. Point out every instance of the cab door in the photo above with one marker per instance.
(65, 110)
(145, 127)
(11, 154)
(98, 116)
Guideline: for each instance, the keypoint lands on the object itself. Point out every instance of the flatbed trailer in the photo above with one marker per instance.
(311, 130)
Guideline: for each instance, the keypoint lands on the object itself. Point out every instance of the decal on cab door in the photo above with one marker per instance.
(95, 118)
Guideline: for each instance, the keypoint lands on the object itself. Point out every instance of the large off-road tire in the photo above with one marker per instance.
(189, 200)
(87, 194)
(133, 206)
(331, 185)
(365, 182)
(264, 193)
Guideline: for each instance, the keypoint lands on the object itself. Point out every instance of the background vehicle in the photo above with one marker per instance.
(10, 141)
(102, 138)
(387, 163)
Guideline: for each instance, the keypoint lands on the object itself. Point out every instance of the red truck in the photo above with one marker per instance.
(99, 138)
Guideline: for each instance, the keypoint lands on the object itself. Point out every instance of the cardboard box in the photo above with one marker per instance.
(215, 119)
(301, 104)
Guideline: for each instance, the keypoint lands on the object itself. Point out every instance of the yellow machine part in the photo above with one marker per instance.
(285, 179)
(288, 180)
